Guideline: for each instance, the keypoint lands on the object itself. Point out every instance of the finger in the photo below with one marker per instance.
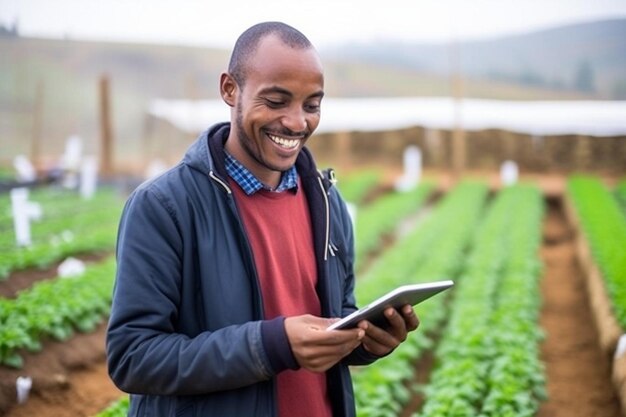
(386, 338)
(339, 337)
(410, 318)
(394, 318)
(397, 325)
(374, 346)
(320, 358)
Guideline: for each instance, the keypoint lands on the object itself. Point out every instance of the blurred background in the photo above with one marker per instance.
(110, 93)
(471, 83)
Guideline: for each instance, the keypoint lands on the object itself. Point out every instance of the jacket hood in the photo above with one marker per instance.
(198, 156)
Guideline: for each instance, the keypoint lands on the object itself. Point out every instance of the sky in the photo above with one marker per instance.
(325, 22)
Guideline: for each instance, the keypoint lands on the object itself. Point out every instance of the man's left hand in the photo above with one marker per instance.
(381, 342)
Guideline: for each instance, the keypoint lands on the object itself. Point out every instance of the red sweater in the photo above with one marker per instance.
(279, 229)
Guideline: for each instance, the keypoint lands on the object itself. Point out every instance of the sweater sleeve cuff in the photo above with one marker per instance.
(276, 345)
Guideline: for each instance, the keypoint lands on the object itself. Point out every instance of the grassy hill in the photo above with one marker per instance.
(49, 88)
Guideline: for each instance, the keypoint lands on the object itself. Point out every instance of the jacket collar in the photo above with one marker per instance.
(207, 154)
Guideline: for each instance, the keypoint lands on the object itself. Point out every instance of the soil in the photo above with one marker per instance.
(70, 379)
(21, 280)
(577, 372)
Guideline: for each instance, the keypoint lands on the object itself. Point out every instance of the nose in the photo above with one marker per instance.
(295, 119)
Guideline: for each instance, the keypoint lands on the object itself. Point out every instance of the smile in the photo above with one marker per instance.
(285, 143)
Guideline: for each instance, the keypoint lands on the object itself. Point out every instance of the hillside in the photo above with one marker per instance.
(49, 88)
(586, 57)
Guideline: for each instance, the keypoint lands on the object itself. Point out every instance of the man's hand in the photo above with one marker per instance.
(315, 348)
(380, 341)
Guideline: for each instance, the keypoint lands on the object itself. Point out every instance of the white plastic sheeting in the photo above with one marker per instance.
(594, 118)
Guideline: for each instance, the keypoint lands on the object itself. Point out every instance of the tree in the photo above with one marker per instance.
(584, 78)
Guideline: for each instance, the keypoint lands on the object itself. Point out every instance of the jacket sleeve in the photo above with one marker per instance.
(145, 353)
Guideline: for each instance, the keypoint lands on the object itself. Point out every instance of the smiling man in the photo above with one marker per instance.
(232, 264)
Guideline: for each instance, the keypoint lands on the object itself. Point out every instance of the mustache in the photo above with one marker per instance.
(286, 132)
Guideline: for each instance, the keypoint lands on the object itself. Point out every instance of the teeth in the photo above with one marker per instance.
(285, 143)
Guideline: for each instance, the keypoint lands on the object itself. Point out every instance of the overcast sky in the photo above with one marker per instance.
(218, 23)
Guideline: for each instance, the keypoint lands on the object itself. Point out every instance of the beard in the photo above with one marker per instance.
(250, 147)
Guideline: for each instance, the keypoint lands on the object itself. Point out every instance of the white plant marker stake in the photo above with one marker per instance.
(412, 159)
(25, 170)
(71, 267)
(88, 177)
(621, 347)
(23, 211)
(23, 385)
(70, 161)
(508, 173)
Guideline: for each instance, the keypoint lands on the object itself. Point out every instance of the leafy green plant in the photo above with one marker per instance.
(488, 357)
(356, 186)
(70, 226)
(379, 219)
(433, 250)
(54, 308)
(604, 227)
(620, 195)
(118, 409)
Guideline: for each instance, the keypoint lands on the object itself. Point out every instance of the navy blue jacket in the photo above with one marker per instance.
(186, 335)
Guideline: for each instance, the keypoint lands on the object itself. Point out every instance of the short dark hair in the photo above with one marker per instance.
(248, 42)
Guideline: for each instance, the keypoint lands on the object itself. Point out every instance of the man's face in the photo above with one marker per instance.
(278, 108)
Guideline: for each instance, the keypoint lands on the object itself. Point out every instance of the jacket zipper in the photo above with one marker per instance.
(326, 243)
(250, 257)
(222, 183)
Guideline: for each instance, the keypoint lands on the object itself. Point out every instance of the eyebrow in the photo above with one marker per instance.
(284, 91)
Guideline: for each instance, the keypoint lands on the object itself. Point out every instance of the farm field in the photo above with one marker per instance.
(521, 298)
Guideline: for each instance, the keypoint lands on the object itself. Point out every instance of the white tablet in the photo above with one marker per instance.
(407, 294)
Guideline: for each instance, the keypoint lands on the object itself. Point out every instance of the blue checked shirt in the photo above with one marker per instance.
(251, 184)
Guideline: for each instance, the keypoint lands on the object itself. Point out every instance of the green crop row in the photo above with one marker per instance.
(69, 225)
(488, 358)
(118, 409)
(380, 218)
(432, 251)
(604, 227)
(620, 195)
(54, 308)
(355, 187)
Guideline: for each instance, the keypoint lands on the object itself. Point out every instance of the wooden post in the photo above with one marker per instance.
(344, 150)
(458, 134)
(35, 145)
(106, 132)
(458, 144)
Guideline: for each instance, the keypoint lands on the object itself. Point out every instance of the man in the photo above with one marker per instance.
(232, 264)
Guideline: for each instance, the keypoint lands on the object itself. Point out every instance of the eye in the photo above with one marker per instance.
(312, 107)
(274, 104)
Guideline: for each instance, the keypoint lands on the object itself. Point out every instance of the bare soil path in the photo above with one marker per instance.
(69, 379)
(578, 375)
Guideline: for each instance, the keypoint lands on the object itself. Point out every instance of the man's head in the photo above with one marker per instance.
(274, 86)
(248, 41)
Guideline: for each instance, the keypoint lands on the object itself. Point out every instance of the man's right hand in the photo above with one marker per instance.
(315, 348)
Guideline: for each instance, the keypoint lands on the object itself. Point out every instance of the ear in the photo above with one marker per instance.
(228, 89)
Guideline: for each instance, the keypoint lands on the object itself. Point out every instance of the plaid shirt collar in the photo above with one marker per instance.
(251, 184)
